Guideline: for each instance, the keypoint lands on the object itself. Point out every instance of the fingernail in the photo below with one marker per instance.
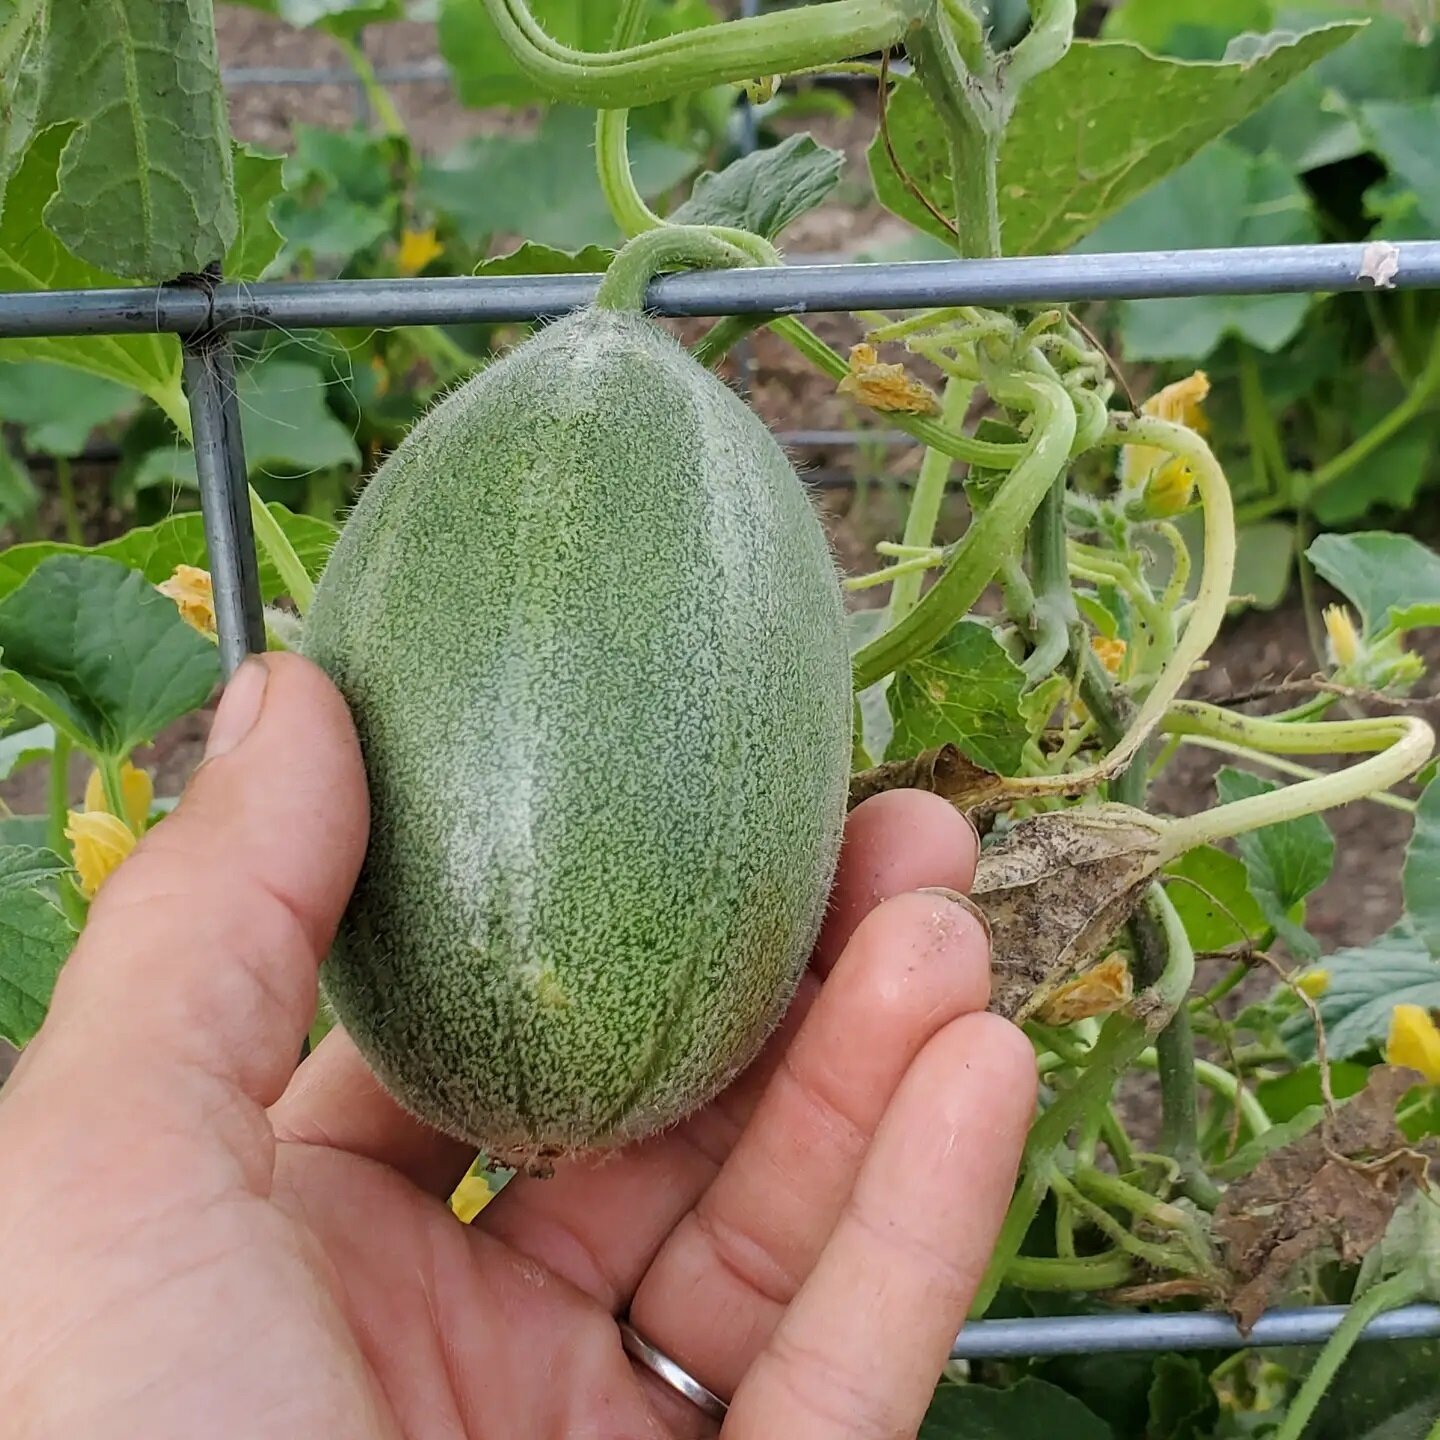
(956, 897)
(239, 708)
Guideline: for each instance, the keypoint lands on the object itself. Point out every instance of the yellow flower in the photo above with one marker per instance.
(100, 843)
(471, 1196)
(137, 788)
(1170, 489)
(191, 591)
(1343, 636)
(886, 387)
(1144, 465)
(1111, 653)
(1314, 983)
(417, 249)
(1414, 1041)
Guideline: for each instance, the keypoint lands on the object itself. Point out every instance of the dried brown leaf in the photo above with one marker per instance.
(943, 771)
(1056, 889)
(1332, 1191)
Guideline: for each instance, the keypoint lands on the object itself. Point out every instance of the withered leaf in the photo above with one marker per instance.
(943, 771)
(1314, 1197)
(1056, 889)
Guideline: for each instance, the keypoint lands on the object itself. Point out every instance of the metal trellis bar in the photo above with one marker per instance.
(203, 319)
(784, 290)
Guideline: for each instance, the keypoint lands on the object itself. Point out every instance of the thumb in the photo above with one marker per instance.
(201, 951)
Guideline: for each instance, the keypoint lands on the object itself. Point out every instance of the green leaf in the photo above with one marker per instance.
(259, 180)
(531, 259)
(530, 184)
(1216, 904)
(1186, 29)
(1089, 135)
(1389, 1391)
(1390, 477)
(155, 550)
(1182, 1402)
(23, 747)
(1032, 1410)
(19, 498)
(966, 692)
(1264, 563)
(484, 71)
(58, 411)
(1394, 580)
(31, 258)
(341, 194)
(1287, 1097)
(98, 652)
(1422, 870)
(764, 191)
(1366, 983)
(1406, 135)
(1284, 862)
(22, 80)
(1277, 1137)
(35, 939)
(146, 187)
(1223, 197)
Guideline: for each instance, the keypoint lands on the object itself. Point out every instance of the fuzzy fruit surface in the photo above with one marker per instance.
(591, 634)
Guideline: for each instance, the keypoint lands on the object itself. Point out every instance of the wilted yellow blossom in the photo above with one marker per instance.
(1166, 482)
(1314, 983)
(1099, 991)
(417, 249)
(99, 842)
(1343, 636)
(1110, 653)
(1414, 1041)
(190, 589)
(885, 386)
(471, 1196)
(135, 785)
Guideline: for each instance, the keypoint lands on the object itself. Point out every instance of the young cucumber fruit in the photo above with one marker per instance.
(591, 634)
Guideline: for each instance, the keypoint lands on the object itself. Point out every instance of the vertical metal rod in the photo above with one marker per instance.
(225, 500)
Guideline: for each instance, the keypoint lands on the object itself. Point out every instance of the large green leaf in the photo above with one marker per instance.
(1104, 125)
(1394, 580)
(259, 180)
(1366, 983)
(31, 258)
(1389, 1391)
(342, 194)
(1406, 134)
(1032, 1410)
(57, 411)
(146, 188)
(764, 191)
(532, 259)
(35, 939)
(1284, 862)
(288, 429)
(1223, 197)
(531, 185)
(484, 71)
(1422, 870)
(22, 79)
(155, 550)
(966, 692)
(97, 651)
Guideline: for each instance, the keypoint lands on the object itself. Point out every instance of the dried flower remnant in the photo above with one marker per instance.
(1101, 990)
(887, 387)
(192, 592)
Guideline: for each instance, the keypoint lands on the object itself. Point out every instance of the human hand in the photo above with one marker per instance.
(196, 1242)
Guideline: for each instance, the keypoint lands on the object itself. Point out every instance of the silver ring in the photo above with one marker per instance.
(662, 1366)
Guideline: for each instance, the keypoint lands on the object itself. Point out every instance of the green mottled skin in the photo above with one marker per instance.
(591, 634)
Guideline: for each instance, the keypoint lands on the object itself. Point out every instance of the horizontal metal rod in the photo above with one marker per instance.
(1106, 1334)
(787, 289)
(402, 73)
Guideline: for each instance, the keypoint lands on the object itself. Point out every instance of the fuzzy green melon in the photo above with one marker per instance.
(592, 637)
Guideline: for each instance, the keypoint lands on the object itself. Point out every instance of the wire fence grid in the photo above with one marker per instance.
(204, 320)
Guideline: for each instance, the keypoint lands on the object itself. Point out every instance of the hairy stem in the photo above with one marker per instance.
(670, 247)
(992, 534)
(775, 43)
(929, 493)
(1070, 1276)
(1221, 1081)
(1390, 1294)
